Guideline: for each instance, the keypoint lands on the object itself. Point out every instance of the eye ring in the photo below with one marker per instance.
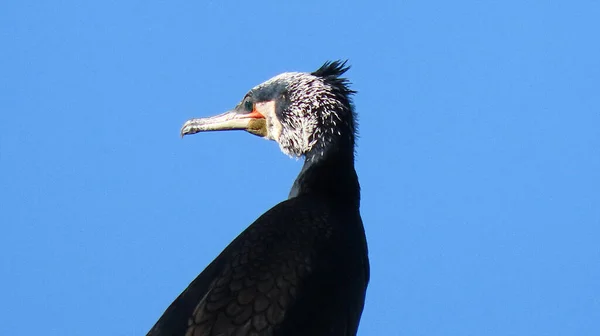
(248, 105)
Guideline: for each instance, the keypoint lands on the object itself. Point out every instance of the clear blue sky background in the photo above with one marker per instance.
(479, 157)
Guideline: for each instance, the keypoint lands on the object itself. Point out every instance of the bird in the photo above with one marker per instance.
(301, 268)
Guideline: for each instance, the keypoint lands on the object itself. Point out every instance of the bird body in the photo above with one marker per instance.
(302, 267)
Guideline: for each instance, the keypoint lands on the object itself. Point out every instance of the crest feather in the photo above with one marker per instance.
(331, 71)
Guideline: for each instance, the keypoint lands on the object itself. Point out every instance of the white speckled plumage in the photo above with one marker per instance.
(312, 115)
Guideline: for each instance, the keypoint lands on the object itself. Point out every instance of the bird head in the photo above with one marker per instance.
(303, 112)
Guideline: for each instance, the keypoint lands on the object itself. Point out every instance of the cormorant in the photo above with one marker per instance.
(302, 267)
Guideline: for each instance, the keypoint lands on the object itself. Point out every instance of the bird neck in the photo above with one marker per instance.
(329, 174)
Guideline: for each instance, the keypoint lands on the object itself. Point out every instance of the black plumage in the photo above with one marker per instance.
(302, 267)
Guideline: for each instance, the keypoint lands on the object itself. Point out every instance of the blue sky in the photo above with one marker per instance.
(479, 157)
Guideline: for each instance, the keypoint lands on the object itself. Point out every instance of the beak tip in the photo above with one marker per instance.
(186, 129)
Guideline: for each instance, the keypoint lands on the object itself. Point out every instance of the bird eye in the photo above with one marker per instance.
(248, 106)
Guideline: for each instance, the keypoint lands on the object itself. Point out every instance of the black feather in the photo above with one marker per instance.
(331, 71)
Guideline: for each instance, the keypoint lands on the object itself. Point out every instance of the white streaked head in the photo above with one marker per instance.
(303, 112)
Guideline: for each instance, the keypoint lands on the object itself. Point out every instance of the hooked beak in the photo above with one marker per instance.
(253, 122)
